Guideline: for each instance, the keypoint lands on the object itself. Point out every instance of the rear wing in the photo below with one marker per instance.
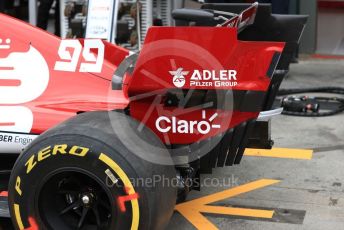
(216, 17)
(241, 20)
(266, 27)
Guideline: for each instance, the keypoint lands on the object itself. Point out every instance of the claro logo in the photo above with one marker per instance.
(165, 124)
(205, 78)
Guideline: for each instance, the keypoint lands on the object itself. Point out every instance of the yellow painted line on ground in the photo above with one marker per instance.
(192, 210)
(237, 211)
(233, 192)
(301, 154)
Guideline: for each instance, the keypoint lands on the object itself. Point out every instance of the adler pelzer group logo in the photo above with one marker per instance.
(205, 78)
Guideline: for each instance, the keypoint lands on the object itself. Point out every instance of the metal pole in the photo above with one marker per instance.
(33, 12)
(138, 24)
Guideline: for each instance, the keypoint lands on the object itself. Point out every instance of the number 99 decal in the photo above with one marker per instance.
(70, 59)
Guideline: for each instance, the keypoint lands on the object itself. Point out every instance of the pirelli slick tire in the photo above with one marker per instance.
(79, 175)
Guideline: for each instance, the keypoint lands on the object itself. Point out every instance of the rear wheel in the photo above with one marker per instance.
(80, 175)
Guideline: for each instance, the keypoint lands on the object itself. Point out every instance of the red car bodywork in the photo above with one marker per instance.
(165, 49)
(67, 93)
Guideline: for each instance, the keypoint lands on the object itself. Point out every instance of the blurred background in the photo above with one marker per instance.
(323, 36)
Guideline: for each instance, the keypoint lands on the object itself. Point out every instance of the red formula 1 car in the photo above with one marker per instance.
(108, 139)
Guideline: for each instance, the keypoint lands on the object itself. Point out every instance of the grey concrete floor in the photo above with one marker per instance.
(310, 195)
